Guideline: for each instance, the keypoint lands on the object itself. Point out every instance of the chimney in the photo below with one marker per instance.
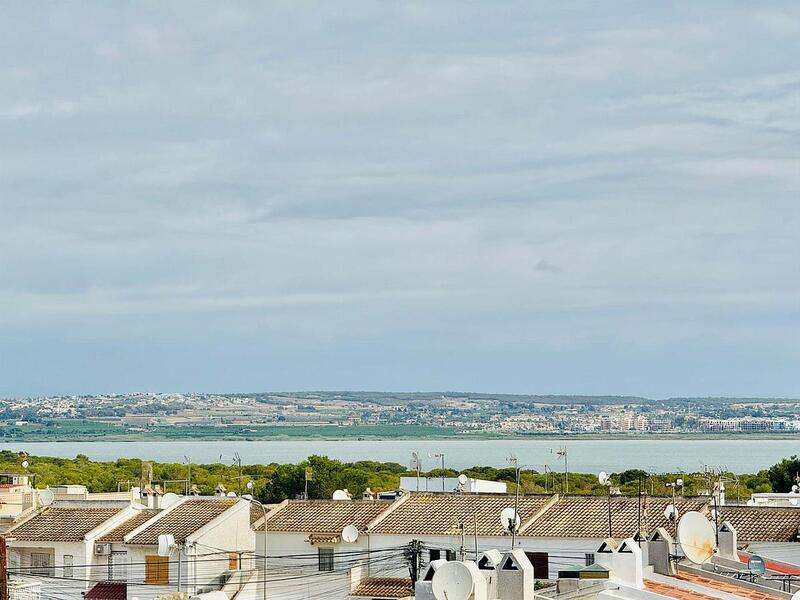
(628, 569)
(489, 564)
(220, 491)
(368, 495)
(516, 576)
(193, 491)
(728, 543)
(423, 589)
(604, 555)
(659, 547)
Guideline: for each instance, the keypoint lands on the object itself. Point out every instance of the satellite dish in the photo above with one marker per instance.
(46, 497)
(756, 565)
(509, 519)
(350, 534)
(340, 495)
(231, 494)
(795, 488)
(463, 479)
(169, 499)
(602, 477)
(679, 482)
(697, 537)
(452, 581)
(796, 596)
(25, 464)
(165, 544)
(670, 513)
(751, 502)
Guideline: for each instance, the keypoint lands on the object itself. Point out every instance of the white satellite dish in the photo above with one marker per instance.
(169, 499)
(670, 513)
(796, 596)
(751, 502)
(350, 534)
(509, 519)
(452, 581)
(602, 477)
(25, 464)
(795, 488)
(697, 537)
(165, 544)
(463, 479)
(46, 497)
(340, 495)
(231, 494)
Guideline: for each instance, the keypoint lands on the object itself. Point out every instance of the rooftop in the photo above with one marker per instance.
(118, 534)
(384, 587)
(762, 524)
(325, 516)
(587, 516)
(61, 524)
(442, 514)
(183, 520)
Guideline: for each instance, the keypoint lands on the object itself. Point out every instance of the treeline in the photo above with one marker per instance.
(275, 482)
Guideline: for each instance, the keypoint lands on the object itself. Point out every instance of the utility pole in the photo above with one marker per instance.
(3, 569)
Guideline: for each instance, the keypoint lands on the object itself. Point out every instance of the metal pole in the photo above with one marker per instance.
(516, 507)
(442, 471)
(252, 500)
(475, 517)
(609, 509)
(179, 568)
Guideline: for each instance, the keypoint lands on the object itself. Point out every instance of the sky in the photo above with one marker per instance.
(518, 197)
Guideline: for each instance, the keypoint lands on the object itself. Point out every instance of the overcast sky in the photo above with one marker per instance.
(561, 197)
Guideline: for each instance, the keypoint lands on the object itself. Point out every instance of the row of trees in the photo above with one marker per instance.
(275, 482)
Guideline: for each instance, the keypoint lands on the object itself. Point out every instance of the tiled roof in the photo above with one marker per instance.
(61, 524)
(384, 587)
(587, 516)
(325, 516)
(672, 591)
(108, 590)
(762, 524)
(184, 519)
(118, 534)
(729, 588)
(442, 514)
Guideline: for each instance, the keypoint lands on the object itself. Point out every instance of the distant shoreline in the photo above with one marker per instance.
(475, 436)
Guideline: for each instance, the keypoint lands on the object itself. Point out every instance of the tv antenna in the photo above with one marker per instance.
(697, 537)
(350, 534)
(605, 480)
(416, 465)
(341, 495)
(452, 581)
(46, 497)
(439, 455)
(562, 455)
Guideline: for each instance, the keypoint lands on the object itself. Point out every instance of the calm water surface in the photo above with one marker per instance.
(588, 456)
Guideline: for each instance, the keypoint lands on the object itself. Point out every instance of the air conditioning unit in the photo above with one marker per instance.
(102, 549)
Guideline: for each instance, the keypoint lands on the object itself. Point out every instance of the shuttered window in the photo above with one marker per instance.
(156, 570)
(325, 559)
(69, 561)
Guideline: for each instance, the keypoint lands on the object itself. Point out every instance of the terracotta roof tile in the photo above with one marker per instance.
(108, 590)
(62, 524)
(138, 519)
(723, 586)
(441, 514)
(384, 587)
(675, 592)
(587, 516)
(184, 519)
(762, 524)
(325, 516)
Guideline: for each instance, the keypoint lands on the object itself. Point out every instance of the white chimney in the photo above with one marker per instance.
(516, 576)
(659, 547)
(423, 589)
(604, 555)
(627, 560)
(489, 564)
(728, 542)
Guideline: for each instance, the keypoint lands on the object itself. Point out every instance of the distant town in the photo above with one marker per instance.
(344, 414)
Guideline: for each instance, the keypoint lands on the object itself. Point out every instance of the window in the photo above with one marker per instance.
(68, 561)
(118, 566)
(233, 561)
(41, 564)
(325, 556)
(589, 559)
(156, 570)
